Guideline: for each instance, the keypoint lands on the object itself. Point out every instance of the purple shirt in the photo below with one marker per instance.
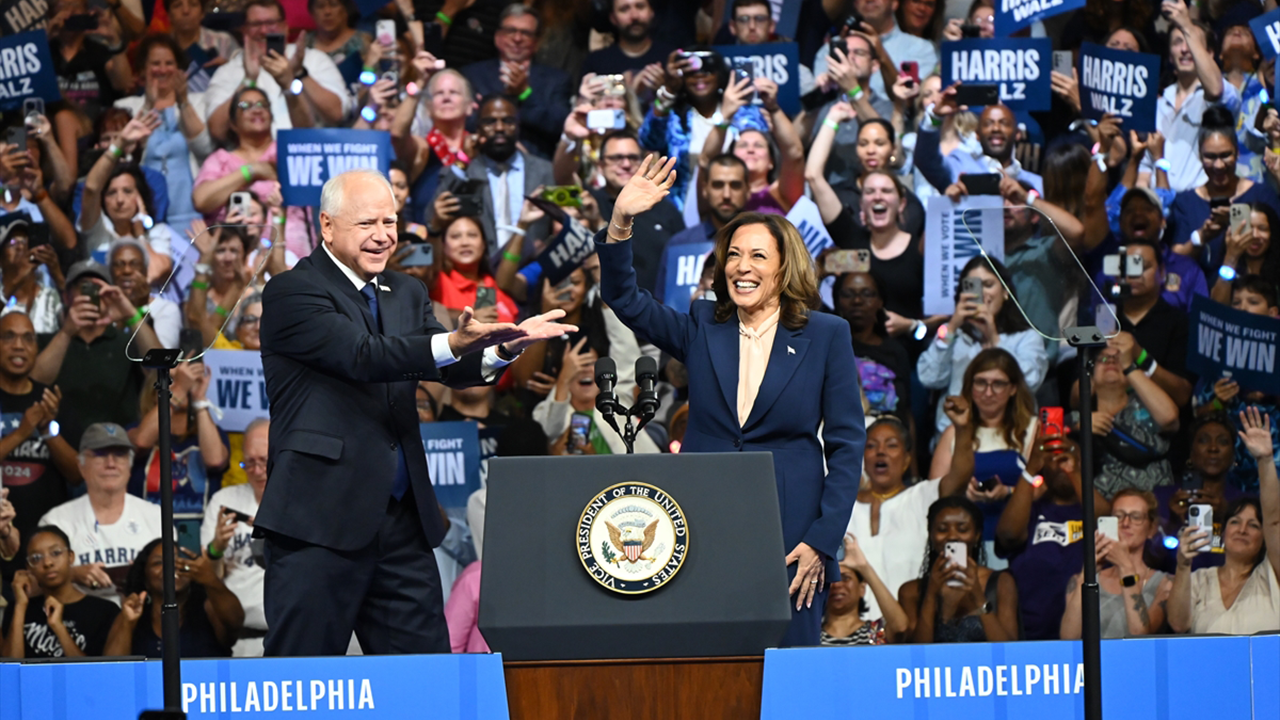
(1043, 567)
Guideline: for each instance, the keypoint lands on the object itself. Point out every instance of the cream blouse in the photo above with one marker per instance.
(754, 347)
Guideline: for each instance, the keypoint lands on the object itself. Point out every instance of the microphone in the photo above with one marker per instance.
(606, 378)
(646, 378)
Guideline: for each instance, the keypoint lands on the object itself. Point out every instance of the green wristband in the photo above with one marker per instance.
(854, 93)
(137, 318)
(199, 285)
(831, 123)
(1142, 359)
(214, 553)
(510, 256)
(246, 173)
(525, 95)
(221, 311)
(448, 21)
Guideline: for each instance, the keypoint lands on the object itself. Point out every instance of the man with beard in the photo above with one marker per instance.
(620, 155)
(725, 191)
(542, 91)
(127, 262)
(997, 128)
(35, 461)
(1038, 532)
(635, 54)
(504, 174)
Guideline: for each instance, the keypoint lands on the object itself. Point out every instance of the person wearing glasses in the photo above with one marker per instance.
(1133, 595)
(49, 617)
(226, 534)
(107, 525)
(544, 93)
(301, 84)
(751, 22)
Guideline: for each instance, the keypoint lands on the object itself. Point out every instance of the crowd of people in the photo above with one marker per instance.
(146, 210)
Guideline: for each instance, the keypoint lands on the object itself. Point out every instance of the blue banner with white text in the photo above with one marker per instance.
(779, 62)
(461, 687)
(1142, 679)
(1119, 82)
(1013, 15)
(306, 159)
(683, 272)
(1018, 66)
(1266, 33)
(453, 459)
(26, 70)
(1224, 342)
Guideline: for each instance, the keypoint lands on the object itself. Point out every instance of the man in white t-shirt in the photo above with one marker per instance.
(226, 537)
(107, 525)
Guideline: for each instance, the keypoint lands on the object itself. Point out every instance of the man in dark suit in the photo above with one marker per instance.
(349, 515)
(504, 174)
(544, 93)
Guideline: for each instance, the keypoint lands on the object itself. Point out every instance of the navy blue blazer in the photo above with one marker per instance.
(811, 380)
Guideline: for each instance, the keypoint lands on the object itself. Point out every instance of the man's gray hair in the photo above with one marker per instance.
(333, 195)
(516, 9)
(256, 423)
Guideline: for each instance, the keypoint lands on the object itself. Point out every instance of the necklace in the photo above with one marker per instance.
(885, 496)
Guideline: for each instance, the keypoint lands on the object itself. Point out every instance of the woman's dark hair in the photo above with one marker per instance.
(898, 426)
(882, 315)
(977, 553)
(140, 180)
(715, 64)
(483, 266)
(353, 12)
(1009, 319)
(933, 29)
(233, 113)
(1143, 45)
(1217, 120)
(1257, 284)
(1236, 507)
(768, 143)
(136, 580)
(52, 530)
(863, 607)
(798, 283)
(1134, 13)
(1270, 270)
(154, 40)
(1066, 165)
(888, 130)
(1021, 408)
(1213, 418)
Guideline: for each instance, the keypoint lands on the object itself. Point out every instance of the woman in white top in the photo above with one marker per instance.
(890, 517)
(1242, 596)
(979, 323)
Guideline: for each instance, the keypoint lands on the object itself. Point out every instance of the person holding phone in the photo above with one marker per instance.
(466, 274)
(221, 278)
(1133, 595)
(1242, 597)
(1250, 249)
(775, 160)
(76, 58)
(210, 615)
(1134, 421)
(20, 263)
(957, 598)
(981, 321)
(204, 46)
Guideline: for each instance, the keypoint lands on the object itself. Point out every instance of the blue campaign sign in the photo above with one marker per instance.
(1223, 342)
(308, 158)
(1013, 15)
(453, 459)
(1019, 66)
(1142, 679)
(565, 252)
(19, 15)
(683, 271)
(1264, 651)
(26, 70)
(1120, 82)
(1266, 32)
(779, 62)
(462, 687)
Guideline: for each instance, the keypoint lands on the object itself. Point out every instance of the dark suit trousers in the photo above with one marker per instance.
(387, 592)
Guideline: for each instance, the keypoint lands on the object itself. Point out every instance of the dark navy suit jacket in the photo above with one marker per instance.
(810, 381)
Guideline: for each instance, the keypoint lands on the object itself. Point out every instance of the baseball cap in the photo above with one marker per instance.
(104, 435)
(1143, 192)
(87, 268)
(11, 222)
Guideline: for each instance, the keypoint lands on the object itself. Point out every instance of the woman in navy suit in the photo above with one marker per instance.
(765, 374)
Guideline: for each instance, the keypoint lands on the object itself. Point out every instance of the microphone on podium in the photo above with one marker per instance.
(647, 378)
(606, 400)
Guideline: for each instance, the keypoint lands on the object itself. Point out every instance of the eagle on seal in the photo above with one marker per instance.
(629, 541)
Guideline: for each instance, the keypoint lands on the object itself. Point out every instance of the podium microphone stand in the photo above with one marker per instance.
(163, 360)
(646, 404)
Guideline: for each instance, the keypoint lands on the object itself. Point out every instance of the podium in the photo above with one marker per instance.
(541, 607)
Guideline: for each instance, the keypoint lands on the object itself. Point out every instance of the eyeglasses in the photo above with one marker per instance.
(860, 53)
(34, 559)
(117, 453)
(250, 319)
(752, 19)
(253, 464)
(245, 104)
(1135, 517)
(998, 386)
(527, 34)
(18, 241)
(619, 159)
(12, 337)
(262, 24)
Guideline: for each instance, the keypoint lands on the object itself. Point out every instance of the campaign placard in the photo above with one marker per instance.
(1224, 342)
(26, 70)
(453, 460)
(807, 218)
(779, 62)
(1119, 82)
(237, 387)
(1013, 15)
(1018, 66)
(1266, 32)
(565, 252)
(683, 270)
(306, 159)
(21, 15)
(952, 234)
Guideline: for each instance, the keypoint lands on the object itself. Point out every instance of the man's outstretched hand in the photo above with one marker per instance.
(472, 336)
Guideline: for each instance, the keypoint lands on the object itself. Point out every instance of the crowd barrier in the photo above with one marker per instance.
(447, 687)
(1224, 678)
(1142, 679)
